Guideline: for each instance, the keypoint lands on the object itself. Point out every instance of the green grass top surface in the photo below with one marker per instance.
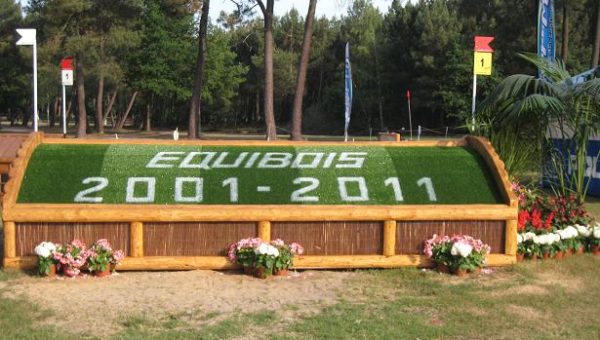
(318, 175)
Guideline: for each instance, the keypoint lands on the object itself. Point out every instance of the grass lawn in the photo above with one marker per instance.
(553, 299)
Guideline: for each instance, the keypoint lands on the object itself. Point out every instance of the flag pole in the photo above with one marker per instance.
(409, 115)
(473, 102)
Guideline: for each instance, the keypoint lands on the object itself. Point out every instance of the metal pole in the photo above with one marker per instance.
(473, 103)
(35, 99)
(64, 111)
(410, 120)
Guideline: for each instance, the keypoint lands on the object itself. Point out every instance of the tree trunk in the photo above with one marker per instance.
(124, 118)
(99, 107)
(268, 96)
(302, 69)
(147, 124)
(110, 106)
(196, 103)
(596, 48)
(82, 124)
(564, 52)
(55, 111)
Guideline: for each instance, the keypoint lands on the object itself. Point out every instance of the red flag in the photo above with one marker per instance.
(66, 64)
(482, 44)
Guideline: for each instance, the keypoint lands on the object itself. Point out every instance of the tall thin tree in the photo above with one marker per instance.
(82, 123)
(268, 64)
(596, 47)
(196, 101)
(302, 69)
(564, 51)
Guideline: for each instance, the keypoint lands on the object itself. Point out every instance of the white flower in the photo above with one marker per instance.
(45, 249)
(596, 232)
(583, 230)
(266, 249)
(556, 237)
(568, 232)
(520, 238)
(462, 249)
(529, 236)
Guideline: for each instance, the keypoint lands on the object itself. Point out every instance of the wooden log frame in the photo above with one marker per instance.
(262, 215)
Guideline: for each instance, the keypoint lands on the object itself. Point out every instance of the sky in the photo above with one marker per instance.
(328, 8)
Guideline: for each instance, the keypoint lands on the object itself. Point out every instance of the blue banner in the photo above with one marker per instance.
(348, 91)
(545, 39)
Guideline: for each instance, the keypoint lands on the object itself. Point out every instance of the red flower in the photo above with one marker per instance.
(536, 219)
(548, 223)
(523, 219)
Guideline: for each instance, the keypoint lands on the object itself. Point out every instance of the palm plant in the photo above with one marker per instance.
(531, 106)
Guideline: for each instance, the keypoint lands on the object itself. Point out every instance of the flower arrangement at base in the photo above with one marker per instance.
(545, 244)
(594, 239)
(242, 252)
(461, 253)
(284, 261)
(570, 237)
(71, 257)
(266, 256)
(100, 257)
(46, 261)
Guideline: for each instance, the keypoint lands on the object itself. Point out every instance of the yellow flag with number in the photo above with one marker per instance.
(482, 63)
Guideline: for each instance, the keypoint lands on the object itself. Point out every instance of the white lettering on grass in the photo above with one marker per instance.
(275, 160)
(299, 195)
(82, 196)
(329, 160)
(316, 159)
(232, 182)
(219, 161)
(164, 156)
(395, 183)
(252, 160)
(355, 159)
(362, 189)
(187, 162)
(426, 181)
(131, 187)
(198, 184)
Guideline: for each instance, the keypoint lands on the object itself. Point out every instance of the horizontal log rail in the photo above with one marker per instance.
(433, 143)
(300, 262)
(243, 213)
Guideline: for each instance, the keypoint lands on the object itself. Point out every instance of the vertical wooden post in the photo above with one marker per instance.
(389, 238)
(10, 240)
(136, 239)
(510, 243)
(264, 230)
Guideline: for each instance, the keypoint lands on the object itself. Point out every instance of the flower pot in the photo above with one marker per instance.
(51, 271)
(546, 255)
(533, 258)
(559, 255)
(580, 250)
(70, 272)
(248, 270)
(476, 270)
(595, 250)
(283, 272)
(442, 268)
(460, 272)
(102, 273)
(261, 273)
(520, 257)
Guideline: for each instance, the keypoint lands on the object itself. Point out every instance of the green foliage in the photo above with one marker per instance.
(572, 111)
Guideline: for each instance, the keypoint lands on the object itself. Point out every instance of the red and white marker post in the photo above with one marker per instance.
(66, 75)
(482, 65)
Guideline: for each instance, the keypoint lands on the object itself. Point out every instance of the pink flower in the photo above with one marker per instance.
(78, 243)
(278, 243)
(118, 256)
(104, 244)
(296, 248)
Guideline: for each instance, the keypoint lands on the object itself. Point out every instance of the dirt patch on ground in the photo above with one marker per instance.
(521, 290)
(565, 281)
(88, 304)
